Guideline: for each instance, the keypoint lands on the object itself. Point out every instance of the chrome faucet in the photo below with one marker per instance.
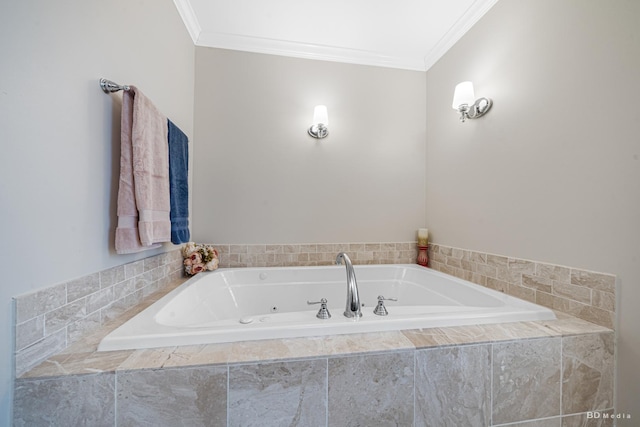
(353, 298)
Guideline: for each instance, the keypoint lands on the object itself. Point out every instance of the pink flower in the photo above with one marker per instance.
(196, 258)
(197, 268)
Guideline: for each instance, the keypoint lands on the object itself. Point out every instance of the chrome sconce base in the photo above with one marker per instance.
(318, 131)
(475, 111)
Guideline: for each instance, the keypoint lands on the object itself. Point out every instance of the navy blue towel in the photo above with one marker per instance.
(179, 184)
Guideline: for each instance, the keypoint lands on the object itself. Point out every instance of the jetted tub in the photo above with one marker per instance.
(244, 304)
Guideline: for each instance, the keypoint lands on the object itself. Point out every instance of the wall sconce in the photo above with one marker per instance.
(319, 129)
(465, 102)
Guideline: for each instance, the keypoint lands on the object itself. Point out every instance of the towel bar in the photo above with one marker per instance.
(109, 87)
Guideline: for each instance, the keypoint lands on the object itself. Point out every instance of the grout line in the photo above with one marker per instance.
(326, 395)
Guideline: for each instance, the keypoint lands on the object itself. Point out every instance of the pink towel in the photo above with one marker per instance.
(143, 195)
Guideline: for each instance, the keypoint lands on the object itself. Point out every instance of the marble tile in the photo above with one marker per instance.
(574, 292)
(453, 386)
(171, 397)
(585, 294)
(37, 303)
(79, 364)
(31, 356)
(587, 379)
(594, 419)
(133, 269)
(29, 332)
(593, 280)
(568, 325)
(278, 394)
(526, 380)
(545, 422)
(288, 348)
(147, 358)
(112, 276)
(553, 272)
(365, 343)
(372, 390)
(538, 283)
(475, 334)
(63, 316)
(85, 400)
(83, 286)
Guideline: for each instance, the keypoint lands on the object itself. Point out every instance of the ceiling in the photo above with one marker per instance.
(407, 34)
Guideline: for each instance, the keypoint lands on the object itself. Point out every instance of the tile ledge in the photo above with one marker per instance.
(82, 358)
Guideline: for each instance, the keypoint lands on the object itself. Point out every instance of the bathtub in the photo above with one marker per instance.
(243, 304)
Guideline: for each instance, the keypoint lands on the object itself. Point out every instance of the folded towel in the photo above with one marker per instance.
(127, 236)
(151, 171)
(179, 184)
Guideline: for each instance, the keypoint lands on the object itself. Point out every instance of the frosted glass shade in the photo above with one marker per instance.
(463, 94)
(320, 115)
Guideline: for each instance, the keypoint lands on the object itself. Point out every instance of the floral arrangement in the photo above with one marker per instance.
(199, 258)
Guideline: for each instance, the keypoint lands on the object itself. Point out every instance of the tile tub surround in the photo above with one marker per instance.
(468, 375)
(50, 319)
(312, 254)
(581, 293)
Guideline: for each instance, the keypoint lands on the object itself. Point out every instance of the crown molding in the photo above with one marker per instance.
(189, 18)
(330, 53)
(306, 50)
(459, 29)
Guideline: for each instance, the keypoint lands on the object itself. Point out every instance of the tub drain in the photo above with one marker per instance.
(274, 309)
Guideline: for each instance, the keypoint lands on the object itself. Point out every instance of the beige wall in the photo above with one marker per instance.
(59, 134)
(552, 173)
(258, 176)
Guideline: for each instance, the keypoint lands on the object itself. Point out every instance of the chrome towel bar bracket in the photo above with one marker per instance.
(109, 87)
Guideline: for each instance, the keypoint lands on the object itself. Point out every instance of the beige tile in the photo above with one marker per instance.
(568, 325)
(278, 394)
(526, 380)
(37, 303)
(553, 272)
(82, 287)
(29, 332)
(539, 283)
(521, 265)
(603, 300)
(79, 364)
(592, 280)
(453, 386)
(112, 276)
(133, 269)
(194, 396)
(256, 249)
(573, 292)
(487, 270)
(238, 249)
(496, 284)
(478, 257)
(151, 358)
(497, 260)
(475, 334)
(597, 419)
(63, 316)
(55, 402)
(521, 292)
(31, 356)
(587, 380)
(386, 379)
(151, 263)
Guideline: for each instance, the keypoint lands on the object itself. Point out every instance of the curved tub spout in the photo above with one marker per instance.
(353, 298)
